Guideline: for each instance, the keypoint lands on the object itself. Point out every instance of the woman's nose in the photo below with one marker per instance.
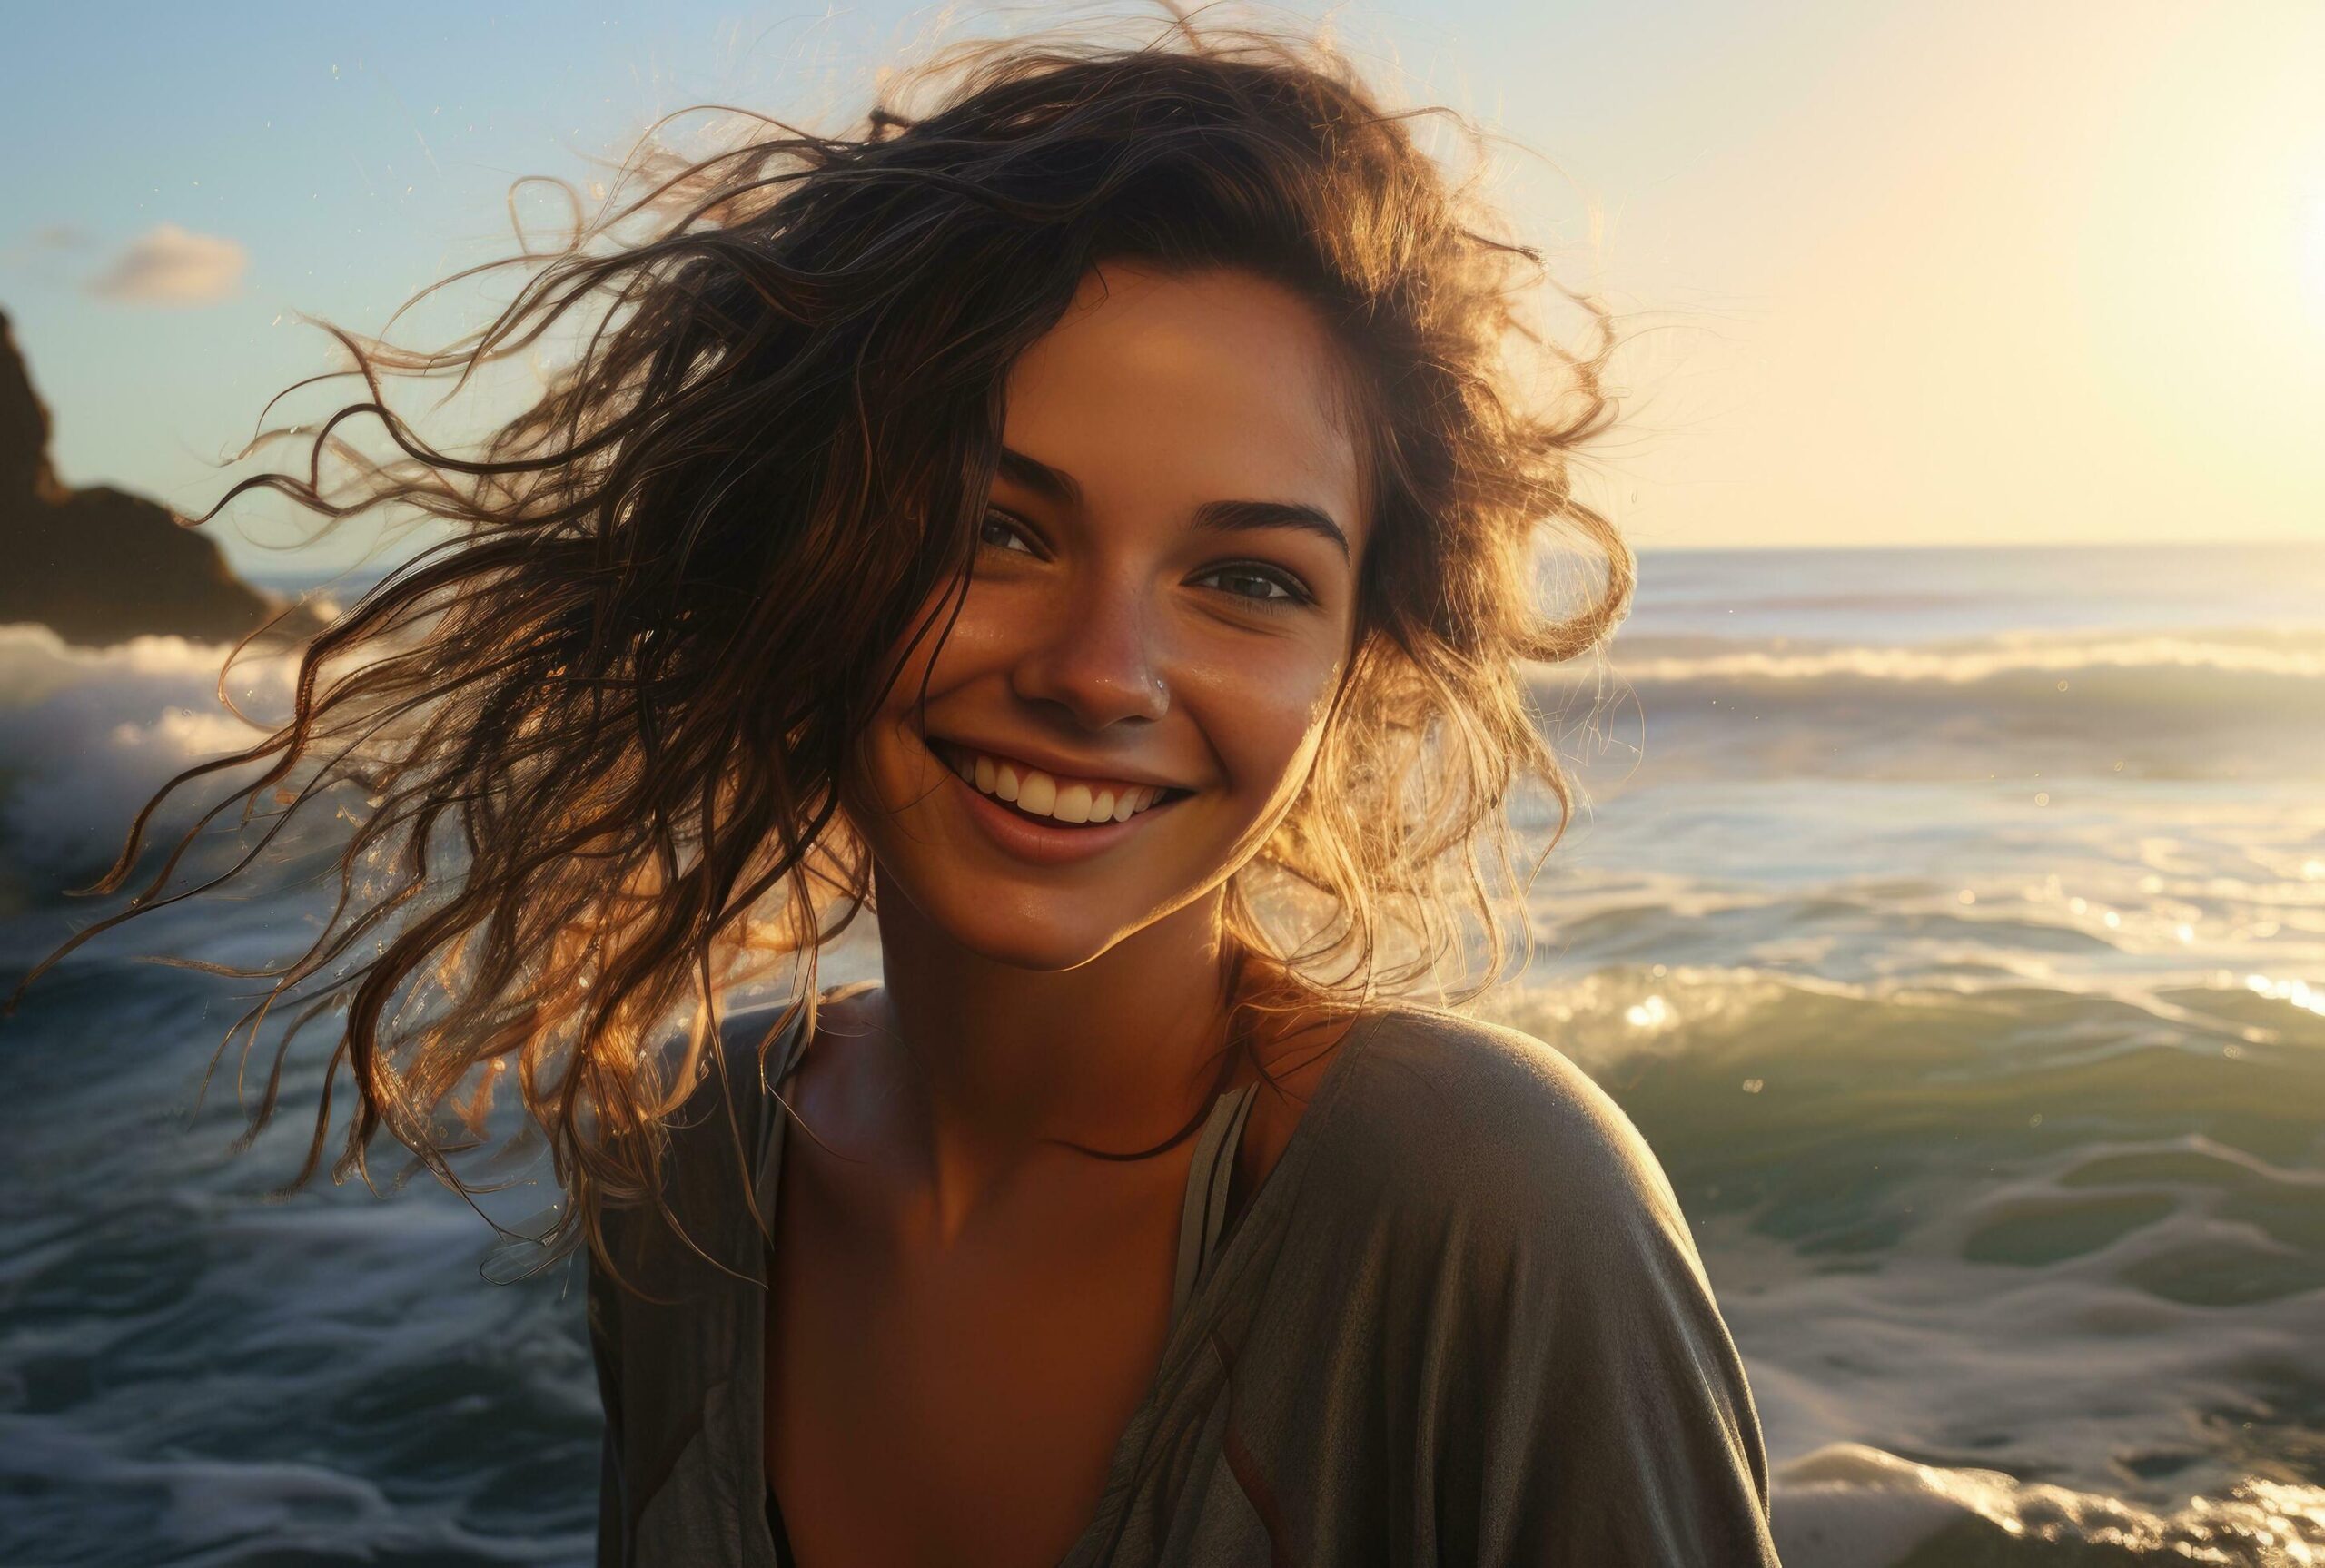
(1098, 659)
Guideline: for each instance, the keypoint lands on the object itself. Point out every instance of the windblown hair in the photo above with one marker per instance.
(600, 740)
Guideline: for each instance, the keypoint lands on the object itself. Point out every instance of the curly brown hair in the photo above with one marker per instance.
(601, 737)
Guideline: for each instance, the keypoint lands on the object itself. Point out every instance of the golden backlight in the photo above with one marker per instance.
(2312, 256)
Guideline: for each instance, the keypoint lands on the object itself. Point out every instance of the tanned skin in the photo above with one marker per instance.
(964, 1312)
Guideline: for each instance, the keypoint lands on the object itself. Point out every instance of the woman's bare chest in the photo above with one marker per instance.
(959, 1403)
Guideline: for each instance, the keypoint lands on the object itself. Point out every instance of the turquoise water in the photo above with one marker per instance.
(1952, 925)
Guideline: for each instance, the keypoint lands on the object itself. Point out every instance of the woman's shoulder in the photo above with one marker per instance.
(1503, 1224)
(1474, 1123)
(713, 1131)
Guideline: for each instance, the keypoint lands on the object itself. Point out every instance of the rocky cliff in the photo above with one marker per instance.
(100, 565)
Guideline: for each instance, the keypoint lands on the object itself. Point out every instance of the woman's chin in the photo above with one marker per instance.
(1054, 940)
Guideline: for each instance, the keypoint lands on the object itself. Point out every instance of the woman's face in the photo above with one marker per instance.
(1163, 604)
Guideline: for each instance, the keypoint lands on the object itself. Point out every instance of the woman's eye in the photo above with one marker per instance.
(1002, 533)
(1268, 588)
(1257, 584)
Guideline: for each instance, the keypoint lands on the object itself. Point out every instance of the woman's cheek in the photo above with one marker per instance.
(1266, 716)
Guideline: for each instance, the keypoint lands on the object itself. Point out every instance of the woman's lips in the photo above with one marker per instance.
(1037, 793)
(1045, 841)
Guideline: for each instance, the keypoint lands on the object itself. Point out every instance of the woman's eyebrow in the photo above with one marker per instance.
(1220, 517)
(1050, 484)
(1241, 516)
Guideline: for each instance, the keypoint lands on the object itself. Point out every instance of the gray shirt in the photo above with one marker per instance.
(1461, 1321)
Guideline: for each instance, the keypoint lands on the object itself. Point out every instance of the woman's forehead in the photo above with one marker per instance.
(1156, 389)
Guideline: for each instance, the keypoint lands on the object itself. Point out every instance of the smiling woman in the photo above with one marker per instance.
(1086, 525)
(1164, 599)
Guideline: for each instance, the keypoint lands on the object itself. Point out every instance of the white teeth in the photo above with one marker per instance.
(1041, 794)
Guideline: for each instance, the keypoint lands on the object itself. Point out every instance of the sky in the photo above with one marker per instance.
(1993, 272)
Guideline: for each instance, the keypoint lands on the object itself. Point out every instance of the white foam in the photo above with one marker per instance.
(1847, 1505)
(87, 734)
(2297, 656)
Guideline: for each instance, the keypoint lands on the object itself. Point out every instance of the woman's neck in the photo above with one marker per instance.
(994, 1063)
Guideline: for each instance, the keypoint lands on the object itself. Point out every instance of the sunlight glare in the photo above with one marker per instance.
(2312, 257)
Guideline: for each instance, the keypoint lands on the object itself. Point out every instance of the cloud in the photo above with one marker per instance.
(167, 266)
(39, 249)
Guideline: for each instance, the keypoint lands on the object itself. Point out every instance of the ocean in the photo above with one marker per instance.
(1951, 922)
